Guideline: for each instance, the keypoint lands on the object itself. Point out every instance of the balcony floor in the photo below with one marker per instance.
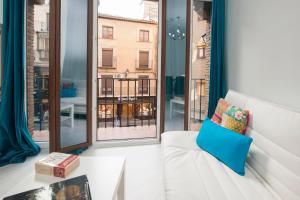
(123, 133)
(103, 134)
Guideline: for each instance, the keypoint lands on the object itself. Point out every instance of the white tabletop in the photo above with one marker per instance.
(104, 175)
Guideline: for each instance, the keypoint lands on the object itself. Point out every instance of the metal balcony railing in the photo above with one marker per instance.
(41, 98)
(125, 102)
(198, 92)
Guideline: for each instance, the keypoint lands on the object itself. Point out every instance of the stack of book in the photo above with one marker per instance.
(57, 164)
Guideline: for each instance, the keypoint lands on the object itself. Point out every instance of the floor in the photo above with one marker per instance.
(144, 174)
(126, 132)
(77, 133)
(69, 135)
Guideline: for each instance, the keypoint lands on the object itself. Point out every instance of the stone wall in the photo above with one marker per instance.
(29, 63)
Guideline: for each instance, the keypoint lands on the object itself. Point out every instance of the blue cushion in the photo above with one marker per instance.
(229, 147)
(68, 92)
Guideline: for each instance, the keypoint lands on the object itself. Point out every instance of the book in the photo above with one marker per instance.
(72, 189)
(57, 164)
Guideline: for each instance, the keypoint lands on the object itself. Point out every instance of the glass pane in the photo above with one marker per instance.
(73, 81)
(175, 64)
(37, 69)
(200, 50)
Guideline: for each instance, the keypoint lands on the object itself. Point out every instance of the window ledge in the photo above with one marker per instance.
(104, 67)
(147, 69)
(106, 38)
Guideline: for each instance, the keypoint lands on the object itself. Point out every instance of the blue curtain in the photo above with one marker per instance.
(15, 140)
(217, 87)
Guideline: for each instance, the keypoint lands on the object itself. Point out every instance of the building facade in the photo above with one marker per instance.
(127, 48)
(127, 70)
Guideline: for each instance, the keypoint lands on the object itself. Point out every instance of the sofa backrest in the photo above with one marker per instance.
(275, 151)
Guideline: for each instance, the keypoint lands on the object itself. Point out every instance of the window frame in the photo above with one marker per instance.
(199, 49)
(142, 34)
(43, 37)
(106, 33)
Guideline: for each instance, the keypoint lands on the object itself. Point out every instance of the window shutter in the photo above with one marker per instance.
(107, 88)
(144, 59)
(143, 84)
(107, 57)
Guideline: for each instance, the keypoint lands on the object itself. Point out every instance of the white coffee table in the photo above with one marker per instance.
(106, 176)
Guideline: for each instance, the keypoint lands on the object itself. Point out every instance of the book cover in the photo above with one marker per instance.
(72, 189)
(57, 164)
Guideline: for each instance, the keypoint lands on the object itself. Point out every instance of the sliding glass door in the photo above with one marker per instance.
(175, 65)
(185, 63)
(200, 62)
(71, 68)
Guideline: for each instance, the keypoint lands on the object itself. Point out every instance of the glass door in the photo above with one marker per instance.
(72, 68)
(175, 65)
(200, 62)
(128, 34)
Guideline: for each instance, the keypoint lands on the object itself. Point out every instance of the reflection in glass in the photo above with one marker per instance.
(37, 38)
(175, 64)
(73, 81)
(200, 62)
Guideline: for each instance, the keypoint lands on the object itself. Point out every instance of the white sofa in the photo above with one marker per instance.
(272, 168)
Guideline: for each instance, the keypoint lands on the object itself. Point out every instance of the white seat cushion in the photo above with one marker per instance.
(193, 174)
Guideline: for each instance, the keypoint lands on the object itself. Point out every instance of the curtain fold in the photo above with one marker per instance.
(15, 140)
(217, 87)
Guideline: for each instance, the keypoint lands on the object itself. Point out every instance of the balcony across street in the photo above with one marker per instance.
(127, 108)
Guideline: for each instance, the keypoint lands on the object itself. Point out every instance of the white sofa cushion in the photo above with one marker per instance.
(273, 163)
(275, 151)
(192, 174)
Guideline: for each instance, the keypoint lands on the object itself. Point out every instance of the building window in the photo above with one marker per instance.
(48, 21)
(144, 36)
(143, 86)
(107, 57)
(200, 52)
(43, 45)
(107, 84)
(107, 32)
(144, 59)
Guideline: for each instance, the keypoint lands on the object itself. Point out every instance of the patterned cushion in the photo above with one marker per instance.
(221, 108)
(235, 119)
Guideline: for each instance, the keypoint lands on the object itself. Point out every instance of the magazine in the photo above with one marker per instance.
(72, 189)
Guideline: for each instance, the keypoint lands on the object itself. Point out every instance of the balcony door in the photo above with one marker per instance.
(128, 32)
(185, 64)
(70, 74)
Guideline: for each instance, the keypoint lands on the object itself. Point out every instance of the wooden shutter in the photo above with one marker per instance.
(107, 57)
(143, 84)
(144, 59)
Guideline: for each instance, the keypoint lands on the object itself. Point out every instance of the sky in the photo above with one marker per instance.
(122, 8)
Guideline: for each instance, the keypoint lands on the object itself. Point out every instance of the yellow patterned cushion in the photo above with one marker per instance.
(235, 119)
(220, 109)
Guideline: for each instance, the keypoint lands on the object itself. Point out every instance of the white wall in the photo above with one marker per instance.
(263, 49)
